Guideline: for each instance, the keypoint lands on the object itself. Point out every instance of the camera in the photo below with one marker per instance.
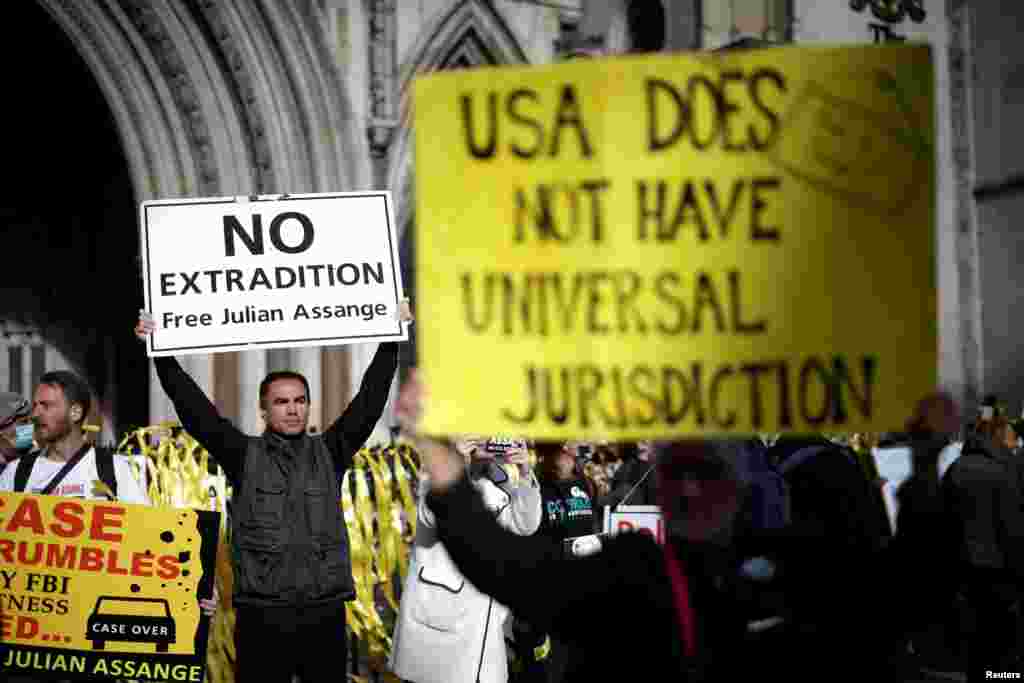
(499, 447)
(583, 546)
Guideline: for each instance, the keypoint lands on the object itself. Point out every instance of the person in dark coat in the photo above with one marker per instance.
(835, 520)
(567, 513)
(982, 492)
(567, 495)
(634, 481)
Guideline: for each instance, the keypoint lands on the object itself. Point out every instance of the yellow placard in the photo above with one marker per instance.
(673, 245)
(100, 591)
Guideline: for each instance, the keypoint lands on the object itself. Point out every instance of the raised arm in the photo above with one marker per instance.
(350, 431)
(532, 576)
(198, 415)
(526, 573)
(517, 508)
(522, 516)
(200, 418)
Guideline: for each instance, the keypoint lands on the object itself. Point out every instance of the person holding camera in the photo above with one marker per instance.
(447, 630)
(566, 492)
(568, 498)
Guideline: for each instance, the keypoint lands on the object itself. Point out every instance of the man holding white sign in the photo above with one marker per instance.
(293, 572)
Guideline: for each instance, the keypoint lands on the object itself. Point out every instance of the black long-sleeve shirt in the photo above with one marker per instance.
(227, 444)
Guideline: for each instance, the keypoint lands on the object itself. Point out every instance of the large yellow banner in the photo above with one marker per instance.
(103, 590)
(671, 245)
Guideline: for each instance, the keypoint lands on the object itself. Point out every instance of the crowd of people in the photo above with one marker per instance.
(781, 554)
(781, 557)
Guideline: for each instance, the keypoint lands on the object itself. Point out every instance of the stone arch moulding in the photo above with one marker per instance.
(180, 135)
(219, 97)
(466, 33)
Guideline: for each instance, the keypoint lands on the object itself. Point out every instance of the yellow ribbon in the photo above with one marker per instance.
(388, 532)
(177, 469)
(404, 480)
(355, 550)
(543, 650)
(359, 518)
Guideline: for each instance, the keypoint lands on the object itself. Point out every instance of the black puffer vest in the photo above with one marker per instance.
(290, 544)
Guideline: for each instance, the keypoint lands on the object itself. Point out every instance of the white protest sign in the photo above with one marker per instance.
(226, 274)
(643, 518)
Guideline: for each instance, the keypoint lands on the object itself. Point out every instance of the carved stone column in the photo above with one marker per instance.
(960, 70)
(252, 367)
(227, 384)
(382, 85)
(307, 362)
(336, 380)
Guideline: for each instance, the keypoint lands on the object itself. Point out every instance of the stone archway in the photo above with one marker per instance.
(466, 34)
(469, 33)
(222, 97)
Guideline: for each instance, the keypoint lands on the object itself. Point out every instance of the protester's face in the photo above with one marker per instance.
(52, 415)
(556, 459)
(286, 407)
(565, 463)
(643, 450)
(699, 495)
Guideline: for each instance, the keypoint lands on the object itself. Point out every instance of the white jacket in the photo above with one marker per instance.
(447, 631)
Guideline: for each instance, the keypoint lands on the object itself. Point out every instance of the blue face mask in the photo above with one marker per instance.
(23, 436)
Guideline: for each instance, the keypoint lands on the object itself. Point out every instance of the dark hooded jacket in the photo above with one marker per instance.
(982, 493)
(289, 540)
(635, 478)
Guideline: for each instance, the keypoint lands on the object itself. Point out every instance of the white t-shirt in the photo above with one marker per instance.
(78, 483)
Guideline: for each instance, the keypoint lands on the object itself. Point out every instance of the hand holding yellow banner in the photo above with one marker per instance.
(103, 590)
(675, 245)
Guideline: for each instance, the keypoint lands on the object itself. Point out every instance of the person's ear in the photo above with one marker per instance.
(76, 412)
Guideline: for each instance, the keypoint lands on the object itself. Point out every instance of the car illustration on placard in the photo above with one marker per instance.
(133, 620)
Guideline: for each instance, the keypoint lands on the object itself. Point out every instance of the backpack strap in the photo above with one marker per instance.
(23, 471)
(105, 468)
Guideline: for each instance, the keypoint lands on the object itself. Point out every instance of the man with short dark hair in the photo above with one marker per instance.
(67, 464)
(293, 572)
